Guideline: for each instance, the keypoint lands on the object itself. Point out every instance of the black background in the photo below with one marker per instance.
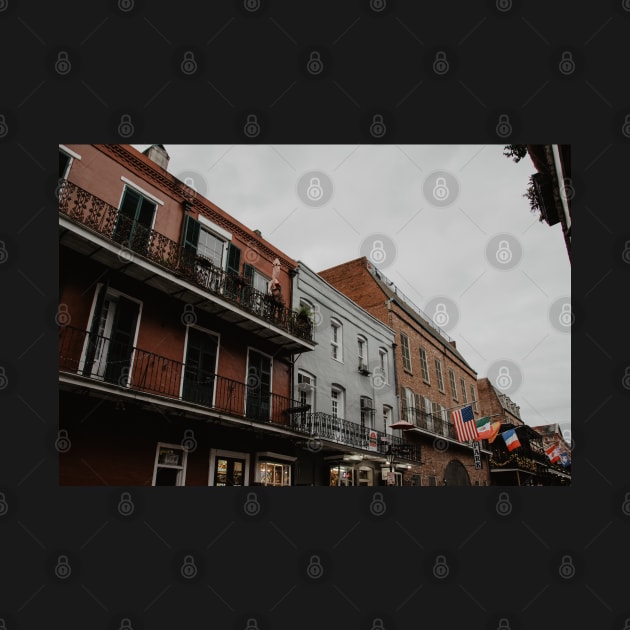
(375, 59)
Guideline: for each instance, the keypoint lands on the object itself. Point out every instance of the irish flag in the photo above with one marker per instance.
(511, 439)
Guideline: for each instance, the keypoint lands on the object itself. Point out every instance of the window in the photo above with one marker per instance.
(473, 398)
(135, 220)
(170, 465)
(335, 340)
(383, 365)
(306, 387)
(210, 247)
(432, 480)
(428, 418)
(451, 378)
(406, 354)
(464, 394)
(438, 370)
(66, 156)
(387, 416)
(64, 164)
(367, 412)
(424, 366)
(273, 474)
(109, 345)
(409, 405)
(446, 430)
(203, 240)
(257, 280)
(437, 418)
(200, 366)
(337, 401)
(362, 352)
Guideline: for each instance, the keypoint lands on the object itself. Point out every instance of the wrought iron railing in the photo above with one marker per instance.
(103, 359)
(328, 427)
(434, 424)
(137, 239)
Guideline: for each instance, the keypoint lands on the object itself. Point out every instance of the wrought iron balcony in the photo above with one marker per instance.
(101, 359)
(328, 427)
(434, 424)
(135, 239)
(523, 458)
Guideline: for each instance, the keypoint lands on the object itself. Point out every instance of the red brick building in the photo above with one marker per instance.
(432, 378)
(527, 465)
(175, 333)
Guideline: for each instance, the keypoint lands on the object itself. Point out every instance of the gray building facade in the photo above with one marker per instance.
(348, 390)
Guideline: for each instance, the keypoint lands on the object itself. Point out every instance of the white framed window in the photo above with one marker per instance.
(66, 156)
(306, 389)
(211, 247)
(337, 401)
(201, 356)
(228, 468)
(273, 469)
(462, 382)
(367, 412)
(169, 468)
(428, 413)
(445, 421)
(362, 352)
(406, 353)
(438, 371)
(383, 362)
(473, 398)
(387, 417)
(431, 480)
(451, 378)
(409, 405)
(424, 366)
(336, 340)
(109, 347)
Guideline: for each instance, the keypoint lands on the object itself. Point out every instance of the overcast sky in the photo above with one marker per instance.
(447, 224)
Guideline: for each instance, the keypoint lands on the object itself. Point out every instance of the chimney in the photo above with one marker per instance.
(158, 154)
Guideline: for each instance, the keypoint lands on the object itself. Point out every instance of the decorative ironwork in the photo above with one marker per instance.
(139, 370)
(328, 427)
(105, 219)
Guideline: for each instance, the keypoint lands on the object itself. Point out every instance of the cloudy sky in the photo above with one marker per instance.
(447, 224)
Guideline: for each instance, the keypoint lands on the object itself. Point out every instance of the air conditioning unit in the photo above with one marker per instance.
(305, 387)
(363, 368)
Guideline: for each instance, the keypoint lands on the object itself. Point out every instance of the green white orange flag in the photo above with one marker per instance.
(487, 430)
(484, 427)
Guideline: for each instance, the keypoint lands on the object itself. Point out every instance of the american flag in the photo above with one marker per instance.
(465, 424)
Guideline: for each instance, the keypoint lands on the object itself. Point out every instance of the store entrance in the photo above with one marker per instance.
(341, 476)
(229, 471)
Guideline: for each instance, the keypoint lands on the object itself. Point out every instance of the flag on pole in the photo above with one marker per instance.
(465, 426)
(484, 428)
(496, 427)
(511, 439)
(553, 453)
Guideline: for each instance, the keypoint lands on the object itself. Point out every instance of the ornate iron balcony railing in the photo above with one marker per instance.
(137, 239)
(434, 424)
(328, 427)
(101, 359)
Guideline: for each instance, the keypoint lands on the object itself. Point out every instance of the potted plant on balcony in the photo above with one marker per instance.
(304, 320)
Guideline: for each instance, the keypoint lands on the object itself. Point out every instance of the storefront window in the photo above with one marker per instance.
(341, 476)
(273, 474)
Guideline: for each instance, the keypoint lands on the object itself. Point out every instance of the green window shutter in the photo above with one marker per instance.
(248, 272)
(190, 237)
(233, 259)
